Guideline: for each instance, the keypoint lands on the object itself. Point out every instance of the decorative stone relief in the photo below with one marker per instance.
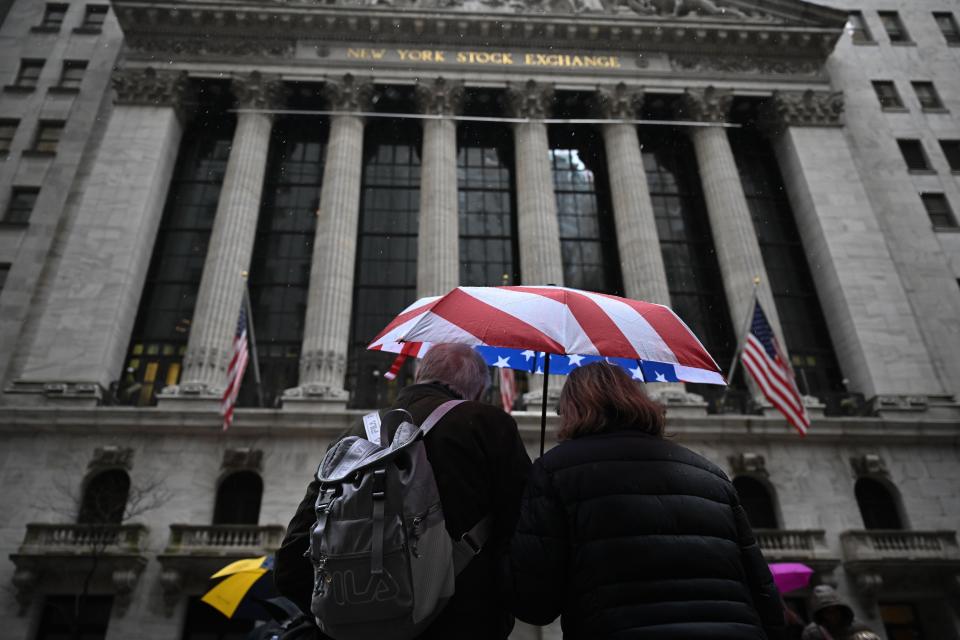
(748, 463)
(706, 105)
(439, 97)
(171, 583)
(868, 464)
(205, 47)
(258, 91)
(320, 365)
(745, 64)
(619, 102)
(349, 93)
(112, 457)
(25, 585)
(529, 99)
(150, 87)
(243, 458)
(124, 582)
(802, 109)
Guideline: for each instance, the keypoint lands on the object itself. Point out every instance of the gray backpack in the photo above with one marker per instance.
(384, 564)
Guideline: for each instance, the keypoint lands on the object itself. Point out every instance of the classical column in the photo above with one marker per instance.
(876, 336)
(641, 260)
(438, 240)
(326, 334)
(734, 238)
(231, 242)
(540, 258)
(81, 338)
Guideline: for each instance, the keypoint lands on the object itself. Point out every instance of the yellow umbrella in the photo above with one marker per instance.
(241, 576)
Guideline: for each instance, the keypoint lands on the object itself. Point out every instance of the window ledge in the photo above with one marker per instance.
(34, 153)
(895, 109)
(922, 172)
(42, 29)
(7, 224)
(17, 88)
(866, 43)
(64, 90)
(88, 30)
(953, 229)
(903, 43)
(935, 110)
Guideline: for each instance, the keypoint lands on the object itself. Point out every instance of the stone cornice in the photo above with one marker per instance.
(802, 109)
(618, 101)
(439, 96)
(231, 30)
(348, 93)
(30, 422)
(529, 99)
(706, 105)
(150, 87)
(258, 91)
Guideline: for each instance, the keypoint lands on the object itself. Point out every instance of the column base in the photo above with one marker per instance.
(71, 394)
(190, 396)
(316, 397)
(679, 402)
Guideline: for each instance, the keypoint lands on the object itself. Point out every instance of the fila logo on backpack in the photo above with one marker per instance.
(384, 564)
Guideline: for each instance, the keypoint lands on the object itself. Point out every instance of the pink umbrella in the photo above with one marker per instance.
(790, 576)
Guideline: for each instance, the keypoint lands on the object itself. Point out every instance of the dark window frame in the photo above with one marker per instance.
(54, 14)
(888, 95)
(942, 217)
(94, 16)
(879, 504)
(106, 494)
(947, 22)
(6, 142)
(951, 151)
(895, 28)
(19, 208)
(70, 80)
(759, 500)
(4, 274)
(914, 155)
(927, 95)
(47, 138)
(56, 616)
(239, 498)
(25, 79)
(858, 28)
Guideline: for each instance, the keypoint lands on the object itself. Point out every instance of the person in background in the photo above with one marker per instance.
(627, 535)
(480, 466)
(833, 618)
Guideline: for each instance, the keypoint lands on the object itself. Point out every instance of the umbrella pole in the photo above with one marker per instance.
(543, 405)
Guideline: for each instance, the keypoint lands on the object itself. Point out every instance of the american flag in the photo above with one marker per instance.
(508, 388)
(765, 360)
(238, 364)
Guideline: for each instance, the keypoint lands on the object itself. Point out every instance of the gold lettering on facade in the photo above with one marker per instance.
(366, 54)
(484, 57)
(421, 55)
(501, 58)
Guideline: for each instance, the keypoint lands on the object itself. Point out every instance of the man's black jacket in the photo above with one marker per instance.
(634, 537)
(481, 467)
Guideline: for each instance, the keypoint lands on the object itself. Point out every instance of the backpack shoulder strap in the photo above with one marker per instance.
(471, 543)
(438, 414)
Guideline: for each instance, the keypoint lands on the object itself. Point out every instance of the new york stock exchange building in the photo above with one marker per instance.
(339, 159)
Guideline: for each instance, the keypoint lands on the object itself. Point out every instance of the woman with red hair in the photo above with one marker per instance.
(627, 535)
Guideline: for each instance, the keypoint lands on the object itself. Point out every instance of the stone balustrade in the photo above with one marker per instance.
(223, 539)
(48, 539)
(797, 545)
(886, 545)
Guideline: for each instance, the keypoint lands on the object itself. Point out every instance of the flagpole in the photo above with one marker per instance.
(741, 340)
(253, 339)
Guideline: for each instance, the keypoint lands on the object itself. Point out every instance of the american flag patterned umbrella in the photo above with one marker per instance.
(546, 329)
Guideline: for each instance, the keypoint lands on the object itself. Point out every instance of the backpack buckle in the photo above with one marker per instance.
(325, 498)
(379, 484)
(475, 545)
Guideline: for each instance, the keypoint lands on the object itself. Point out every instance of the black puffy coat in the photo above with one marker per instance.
(630, 536)
(481, 467)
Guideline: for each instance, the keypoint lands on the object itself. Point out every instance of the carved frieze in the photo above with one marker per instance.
(348, 93)
(529, 99)
(745, 64)
(226, 47)
(150, 87)
(803, 109)
(868, 464)
(440, 96)
(706, 105)
(112, 457)
(258, 91)
(619, 102)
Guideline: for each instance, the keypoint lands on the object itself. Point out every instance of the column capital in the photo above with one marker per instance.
(706, 105)
(440, 96)
(348, 93)
(258, 91)
(802, 109)
(619, 101)
(148, 87)
(530, 99)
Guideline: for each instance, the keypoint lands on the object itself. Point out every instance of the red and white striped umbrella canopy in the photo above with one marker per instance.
(555, 320)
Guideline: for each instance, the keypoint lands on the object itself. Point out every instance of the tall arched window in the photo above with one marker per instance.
(757, 502)
(878, 507)
(238, 499)
(105, 498)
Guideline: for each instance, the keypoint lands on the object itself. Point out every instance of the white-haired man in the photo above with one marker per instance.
(481, 468)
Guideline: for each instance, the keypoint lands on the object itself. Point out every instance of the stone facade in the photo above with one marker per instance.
(884, 276)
